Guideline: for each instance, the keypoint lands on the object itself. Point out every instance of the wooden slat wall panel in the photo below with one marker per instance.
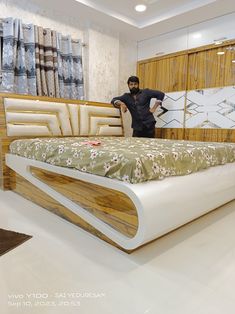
(150, 73)
(207, 69)
(204, 135)
(168, 74)
(199, 68)
(229, 75)
(178, 73)
(170, 133)
(140, 74)
(163, 75)
(210, 135)
(196, 71)
(214, 68)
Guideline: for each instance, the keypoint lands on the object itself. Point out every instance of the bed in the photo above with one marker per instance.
(127, 206)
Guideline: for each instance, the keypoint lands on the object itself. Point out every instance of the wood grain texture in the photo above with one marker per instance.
(204, 135)
(191, 69)
(170, 133)
(3, 130)
(210, 135)
(148, 74)
(168, 74)
(196, 76)
(52, 99)
(35, 195)
(7, 176)
(207, 69)
(113, 207)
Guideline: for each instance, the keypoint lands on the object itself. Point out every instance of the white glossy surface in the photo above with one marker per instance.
(190, 270)
(184, 38)
(161, 205)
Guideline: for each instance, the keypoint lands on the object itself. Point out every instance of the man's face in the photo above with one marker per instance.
(133, 87)
(133, 84)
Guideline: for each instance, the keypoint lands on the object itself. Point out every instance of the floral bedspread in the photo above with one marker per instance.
(131, 160)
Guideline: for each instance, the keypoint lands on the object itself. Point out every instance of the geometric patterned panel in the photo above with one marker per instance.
(38, 118)
(23, 112)
(171, 114)
(96, 120)
(211, 108)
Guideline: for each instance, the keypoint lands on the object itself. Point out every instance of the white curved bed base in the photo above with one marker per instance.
(161, 206)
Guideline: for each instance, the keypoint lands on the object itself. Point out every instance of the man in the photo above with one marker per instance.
(138, 103)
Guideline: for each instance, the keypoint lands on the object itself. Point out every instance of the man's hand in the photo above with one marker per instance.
(157, 104)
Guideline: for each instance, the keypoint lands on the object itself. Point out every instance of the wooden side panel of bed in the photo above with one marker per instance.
(35, 195)
(113, 207)
(5, 172)
(7, 176)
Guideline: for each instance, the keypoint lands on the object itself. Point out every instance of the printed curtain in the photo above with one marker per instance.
(70, 68)
(18, 58)
(40, 61)
(46, 62)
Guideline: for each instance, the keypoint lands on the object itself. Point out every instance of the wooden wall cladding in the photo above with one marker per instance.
(207, 69)
(170, 133)
(204, 135)
(210, 135)
(190, 69)
(167, 74)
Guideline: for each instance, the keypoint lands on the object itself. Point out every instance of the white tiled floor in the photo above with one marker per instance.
(189, 271)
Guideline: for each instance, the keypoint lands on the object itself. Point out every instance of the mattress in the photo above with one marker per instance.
(132, 160)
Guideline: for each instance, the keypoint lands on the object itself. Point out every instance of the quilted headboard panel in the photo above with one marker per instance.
(30, 117)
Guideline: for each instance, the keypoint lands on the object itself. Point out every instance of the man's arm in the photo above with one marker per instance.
(119, 102)
(157, 104)
(155, 94)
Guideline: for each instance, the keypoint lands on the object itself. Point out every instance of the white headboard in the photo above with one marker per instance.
(34, 117)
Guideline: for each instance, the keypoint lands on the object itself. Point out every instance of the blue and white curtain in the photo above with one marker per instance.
(40, 61)
(70, 67)
(18, 58)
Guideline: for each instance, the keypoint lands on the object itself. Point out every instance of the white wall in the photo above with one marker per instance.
(111, 61)
(103, 64)
(103, 56)
(32, 13)
(163, 44)
(182, 39)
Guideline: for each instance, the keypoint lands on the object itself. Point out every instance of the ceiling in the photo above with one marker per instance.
(161, 16)
(157, 10)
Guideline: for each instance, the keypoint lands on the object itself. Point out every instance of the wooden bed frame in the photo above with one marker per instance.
(125, 215)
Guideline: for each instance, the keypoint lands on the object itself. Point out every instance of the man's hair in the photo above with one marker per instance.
(133, 79)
